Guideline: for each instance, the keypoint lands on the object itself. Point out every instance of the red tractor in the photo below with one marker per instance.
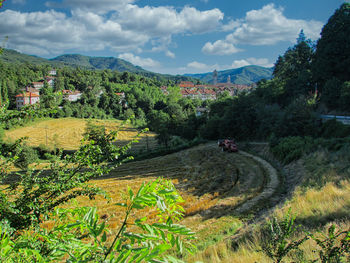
(228, 145)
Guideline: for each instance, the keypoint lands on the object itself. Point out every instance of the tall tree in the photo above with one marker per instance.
(294, 69)
(332, 57)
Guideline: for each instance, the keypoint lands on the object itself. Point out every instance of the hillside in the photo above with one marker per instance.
(14, 57)
(90, 63)
(97, 63)
(244, 75)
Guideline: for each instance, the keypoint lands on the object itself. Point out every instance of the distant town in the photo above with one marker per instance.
(31, 93)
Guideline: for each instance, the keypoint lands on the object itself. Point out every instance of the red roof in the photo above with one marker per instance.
(186, 84)
(70, 92)
(27, 95)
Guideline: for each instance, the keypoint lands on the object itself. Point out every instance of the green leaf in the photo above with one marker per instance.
(104, 237)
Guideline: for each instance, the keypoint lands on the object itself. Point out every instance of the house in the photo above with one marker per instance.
(32, 90)
(50, 80)
(164, 89)
(186, 84)
(53, 72)
(207, 94)
(38, 85)
(71, 95)
(26, 98)
(121, 95)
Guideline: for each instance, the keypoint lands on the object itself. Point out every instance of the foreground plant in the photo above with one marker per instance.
(276, 234)
(335, 247)
(80, 236)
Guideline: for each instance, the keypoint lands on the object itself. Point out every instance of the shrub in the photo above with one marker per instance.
(334, 129)
(292, 148)
(275, 237)
(26, 155)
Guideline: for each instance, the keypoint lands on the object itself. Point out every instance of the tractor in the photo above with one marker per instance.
(228, 145)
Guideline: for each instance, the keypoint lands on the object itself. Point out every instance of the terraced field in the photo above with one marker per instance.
(217, 186)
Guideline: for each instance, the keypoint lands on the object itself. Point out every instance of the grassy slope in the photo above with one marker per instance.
(320, 198)
(205, 177)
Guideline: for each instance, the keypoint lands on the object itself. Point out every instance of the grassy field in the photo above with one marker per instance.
(66, 133)
(213, 183)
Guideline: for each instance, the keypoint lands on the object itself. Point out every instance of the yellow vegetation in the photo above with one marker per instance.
(66, 133)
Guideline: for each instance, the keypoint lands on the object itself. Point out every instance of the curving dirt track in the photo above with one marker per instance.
(213, 183)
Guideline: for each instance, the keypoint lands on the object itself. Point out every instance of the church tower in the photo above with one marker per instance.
(229, 79)
(215, 77)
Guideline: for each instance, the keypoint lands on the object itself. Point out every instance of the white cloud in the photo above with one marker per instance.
(264, 62)
(52, 32)
(220, 47)
(165, 21)
(231, 25)
(126, 27)
(142, 62)
(96, 6)
(170, 54)
(266, 26)
(198, 65)
(239, 63)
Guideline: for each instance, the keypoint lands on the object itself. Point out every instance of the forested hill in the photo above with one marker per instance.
(14, 57)
(98, 63)
(244, 75)
(86, 62)
(73, 60)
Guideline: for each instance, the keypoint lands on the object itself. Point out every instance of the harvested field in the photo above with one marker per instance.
(213, 183)
(66, 133)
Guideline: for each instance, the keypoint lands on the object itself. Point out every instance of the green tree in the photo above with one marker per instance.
(294, 69)
(345, 96)
(332, 57)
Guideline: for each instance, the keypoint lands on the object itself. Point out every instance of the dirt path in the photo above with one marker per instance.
(269, 189)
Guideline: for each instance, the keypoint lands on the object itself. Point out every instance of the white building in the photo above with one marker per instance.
(26, 98)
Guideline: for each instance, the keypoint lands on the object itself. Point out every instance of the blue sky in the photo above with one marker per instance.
(164, 36)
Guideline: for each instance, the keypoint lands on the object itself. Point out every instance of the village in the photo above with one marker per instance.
(31, 93)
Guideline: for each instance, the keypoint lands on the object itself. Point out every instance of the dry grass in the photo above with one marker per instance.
(198, 174)
(66, 133)
(316, 209)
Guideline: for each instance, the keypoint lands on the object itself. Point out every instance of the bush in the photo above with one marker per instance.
(334, 129)
(26, 155)
(292, 148)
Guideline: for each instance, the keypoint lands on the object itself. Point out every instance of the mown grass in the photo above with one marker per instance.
(322, 198)
(66, 133)
(204, 177)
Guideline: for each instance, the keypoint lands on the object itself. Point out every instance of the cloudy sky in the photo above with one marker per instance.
(176, 37)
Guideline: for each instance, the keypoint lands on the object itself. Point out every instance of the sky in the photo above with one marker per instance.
(173, 37)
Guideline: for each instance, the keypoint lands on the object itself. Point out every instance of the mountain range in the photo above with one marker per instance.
(245, 75)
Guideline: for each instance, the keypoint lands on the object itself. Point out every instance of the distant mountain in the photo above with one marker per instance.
(244, 75)
(12, 56)
(76, 60)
